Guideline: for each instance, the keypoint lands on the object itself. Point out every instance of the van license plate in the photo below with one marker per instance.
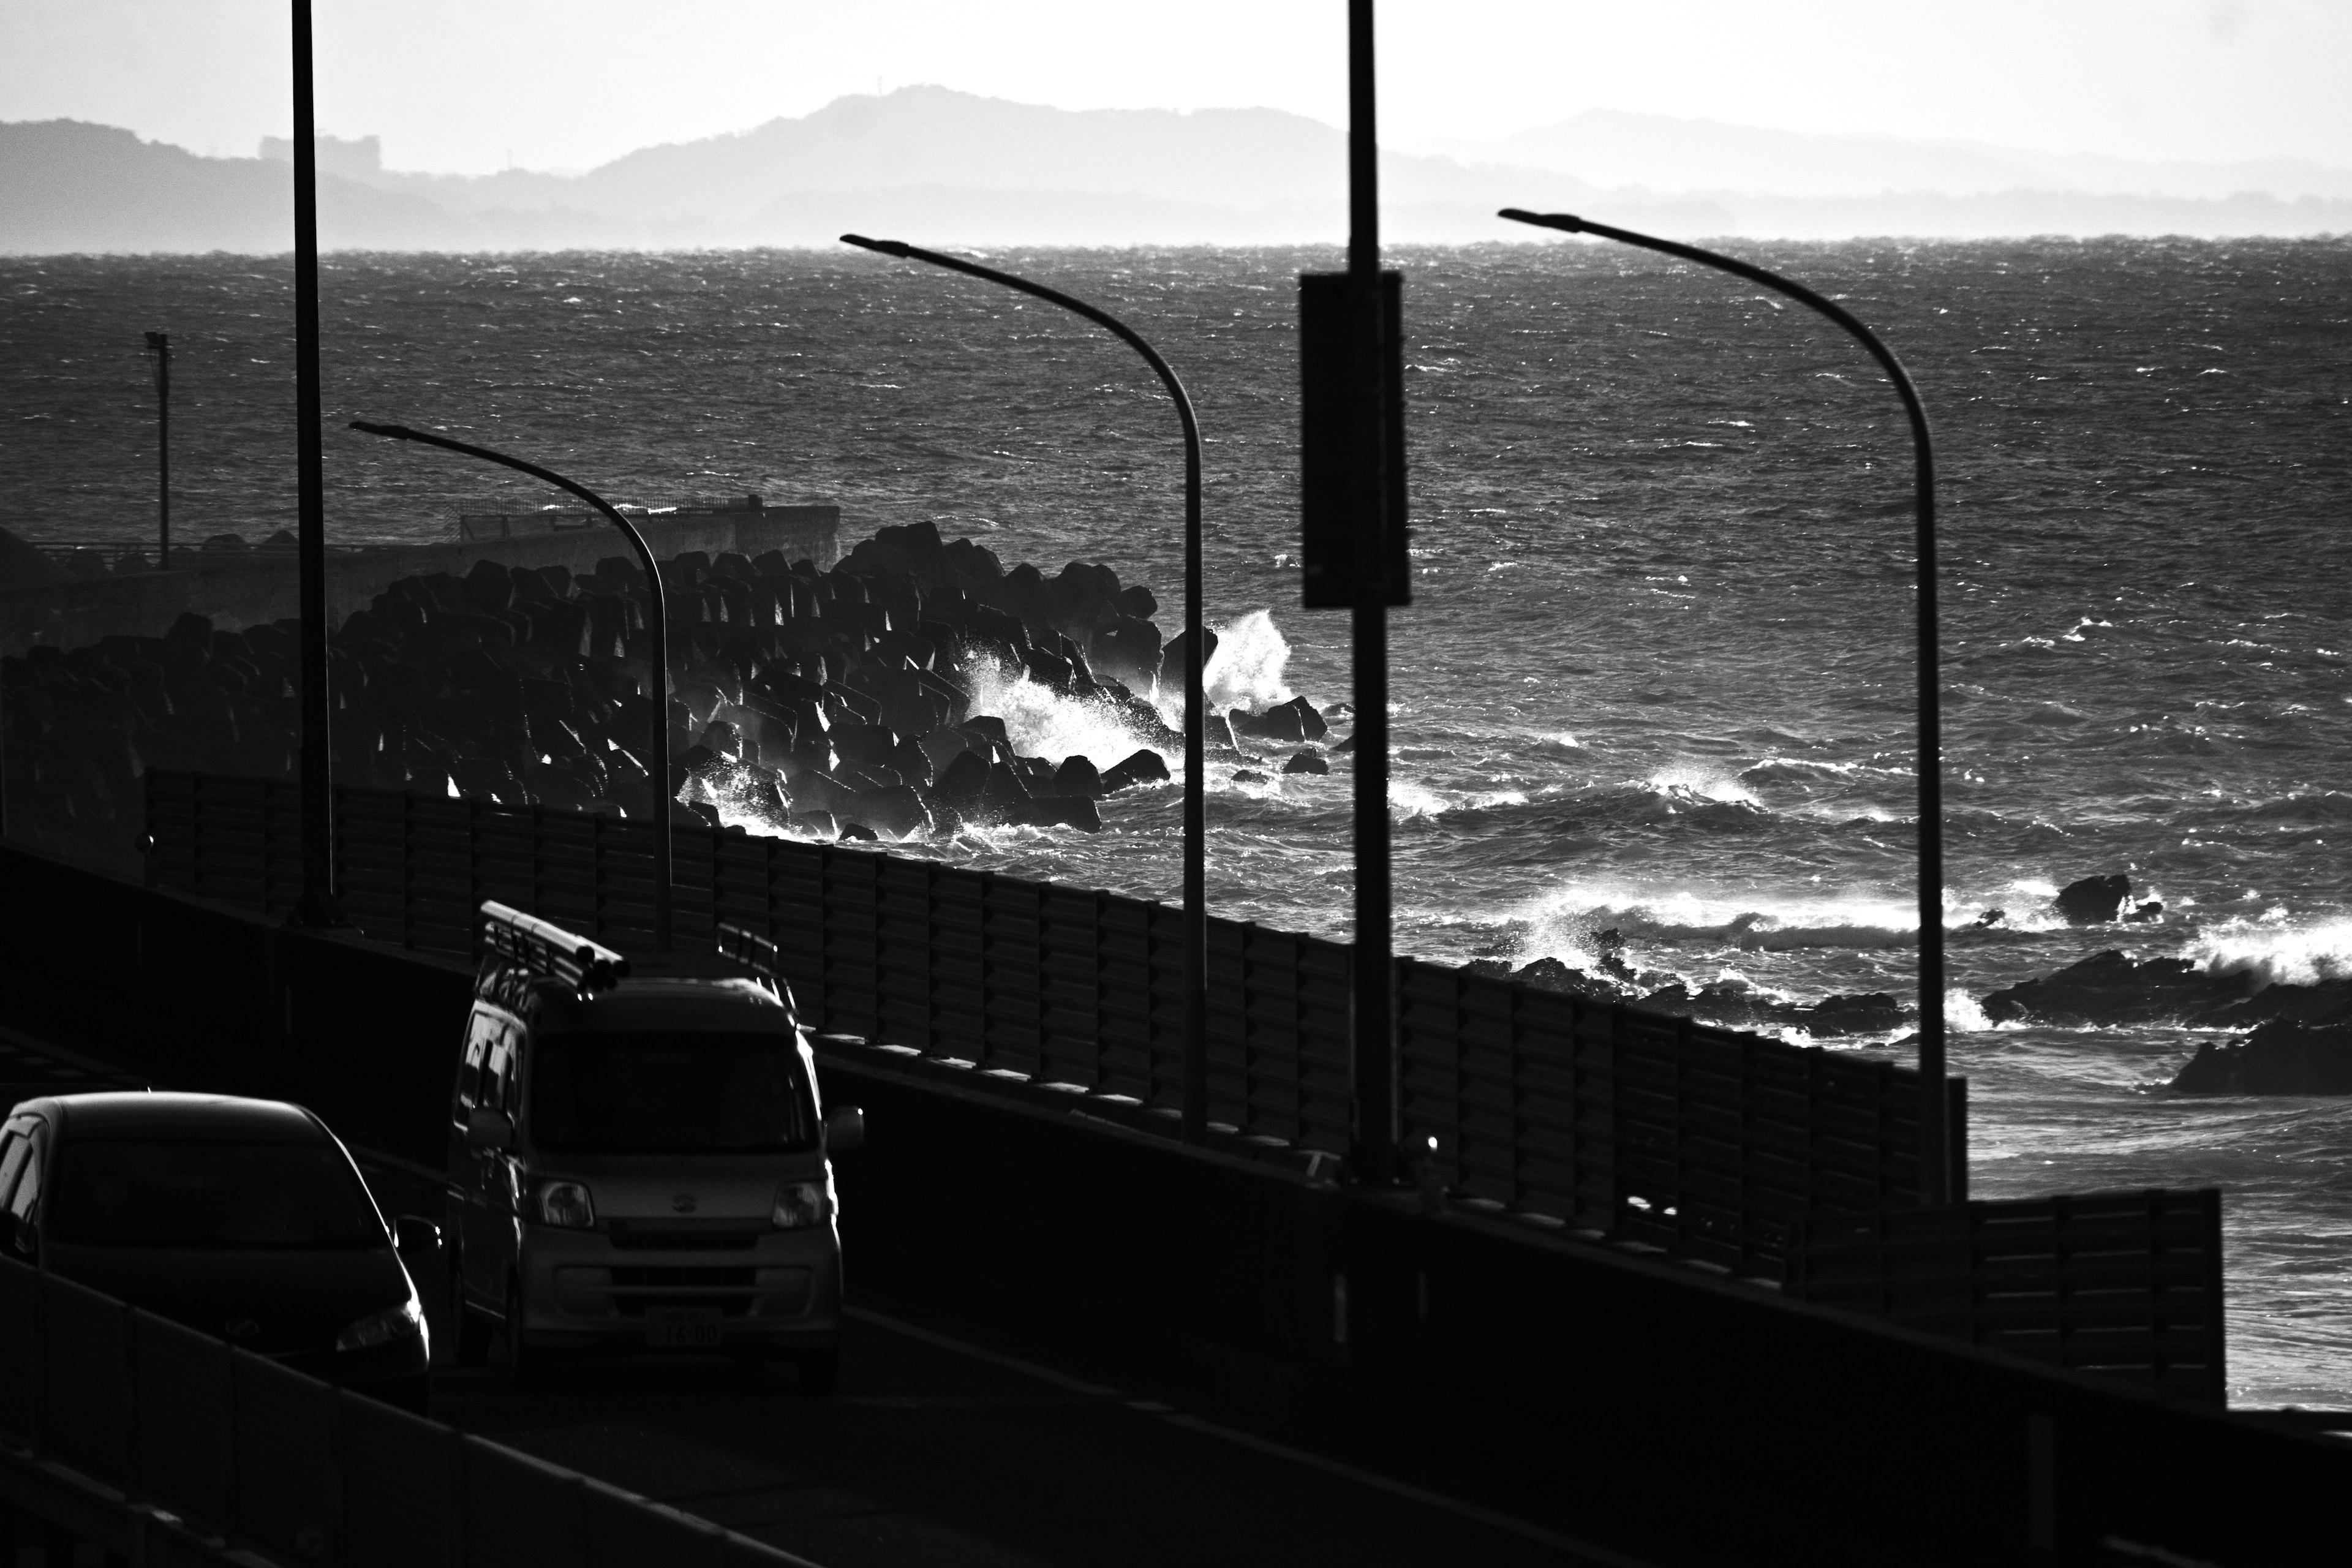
(682, 1328)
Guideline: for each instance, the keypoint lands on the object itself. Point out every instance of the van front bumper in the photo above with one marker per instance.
(780, 1295)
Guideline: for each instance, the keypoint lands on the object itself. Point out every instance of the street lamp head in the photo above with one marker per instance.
(898, 248)
(1566, 221)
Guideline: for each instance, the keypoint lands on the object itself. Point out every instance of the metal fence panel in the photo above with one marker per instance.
(21, 1347)
(519, 1512)
(399, 1475)
(2126, 1284)
(86, 1408)
(282, 1459)
(180, 1381)
(616, 1531)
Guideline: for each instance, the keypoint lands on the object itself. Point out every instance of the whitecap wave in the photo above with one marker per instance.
(2274, 955)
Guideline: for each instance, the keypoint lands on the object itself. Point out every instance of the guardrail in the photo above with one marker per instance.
(2127, 1285)
(161, 1444)
(1705, 1141)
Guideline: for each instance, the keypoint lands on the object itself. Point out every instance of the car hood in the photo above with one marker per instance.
(277, 1302)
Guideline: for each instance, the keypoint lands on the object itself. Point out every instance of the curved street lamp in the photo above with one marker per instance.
(1195, 1119)
(1933, 1155)
(658, 626)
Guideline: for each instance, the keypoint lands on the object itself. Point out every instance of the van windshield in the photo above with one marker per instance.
(648, 1093)
(209, 1194)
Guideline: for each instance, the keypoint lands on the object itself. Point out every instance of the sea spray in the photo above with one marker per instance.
(2272, 955)
(1043, 722)
(1245, 671)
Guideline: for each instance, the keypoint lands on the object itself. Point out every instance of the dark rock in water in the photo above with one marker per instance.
(961, 783)
(1551, 974)
(1307, 763)
(2113, 989)
(817, 824)
(1874, 1012)
(1077, 776)
(1283, 723)
(2279, 1057)
(1346, 745)
(1250, 775)
(702, 809)
(1172, 661)
(990, 726)
(1128, 649)
(857, 832)
(1989, 919)
(1057, 810)
(2094, 901)
(2148, 913)
(1144, 767)
(1310, 722)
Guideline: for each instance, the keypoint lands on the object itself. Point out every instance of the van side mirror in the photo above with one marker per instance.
(845, 1129)
(489, 1133)
(415, 1233)
(23, 1236)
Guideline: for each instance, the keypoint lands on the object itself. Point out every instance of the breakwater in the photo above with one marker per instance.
(245, 586)
(840, 702)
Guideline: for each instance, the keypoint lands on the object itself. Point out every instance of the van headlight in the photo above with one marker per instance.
(800, 1204)
(405, 1321)
(567, 1204)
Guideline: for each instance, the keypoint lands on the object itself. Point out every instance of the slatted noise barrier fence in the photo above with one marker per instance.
(1706, 1142)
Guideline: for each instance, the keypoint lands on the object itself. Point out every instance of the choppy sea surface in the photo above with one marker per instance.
(1657, 673)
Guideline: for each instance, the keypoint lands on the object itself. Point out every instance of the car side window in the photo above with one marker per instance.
(481, 1029)
(25, 1199)
(13, 1147)
(498, 1070)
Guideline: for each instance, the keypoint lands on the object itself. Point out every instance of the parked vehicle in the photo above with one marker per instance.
(244, 1218)
(637, 1157)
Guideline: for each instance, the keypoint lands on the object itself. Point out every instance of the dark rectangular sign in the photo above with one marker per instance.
(1351, 442)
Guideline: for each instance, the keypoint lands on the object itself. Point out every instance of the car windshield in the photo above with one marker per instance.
(209, 1194)
(647, 1093)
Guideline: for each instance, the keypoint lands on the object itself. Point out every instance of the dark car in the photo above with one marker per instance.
(244, 1218)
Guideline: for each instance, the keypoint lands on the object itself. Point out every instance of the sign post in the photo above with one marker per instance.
(1353, 555)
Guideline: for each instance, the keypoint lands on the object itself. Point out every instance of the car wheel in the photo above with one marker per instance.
(525, 1364)
(469, 1336)
(820, 1370)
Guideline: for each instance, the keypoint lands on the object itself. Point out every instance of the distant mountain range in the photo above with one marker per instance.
(931, 164)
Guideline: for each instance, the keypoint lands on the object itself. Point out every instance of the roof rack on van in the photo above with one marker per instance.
(548, 949)
(754, 952)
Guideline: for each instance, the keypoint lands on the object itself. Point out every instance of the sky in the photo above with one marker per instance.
(471, 86)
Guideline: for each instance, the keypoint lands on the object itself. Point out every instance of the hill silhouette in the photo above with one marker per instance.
(948, 167)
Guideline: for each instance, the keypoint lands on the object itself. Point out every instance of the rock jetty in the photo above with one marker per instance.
(838, 702)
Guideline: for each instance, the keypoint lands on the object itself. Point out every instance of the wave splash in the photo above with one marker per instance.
(2275, 955)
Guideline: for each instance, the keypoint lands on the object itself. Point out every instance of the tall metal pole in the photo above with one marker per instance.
(1374, 1070)
(658, 755)
(317, 906)
(159, 345)
(1194, 1115)
(1934, 1146)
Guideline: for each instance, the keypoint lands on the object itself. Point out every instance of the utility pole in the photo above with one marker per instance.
(318, 906)
(1354, 554)
(159, 345)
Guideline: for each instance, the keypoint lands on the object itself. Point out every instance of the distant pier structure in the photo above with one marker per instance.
(239, 585)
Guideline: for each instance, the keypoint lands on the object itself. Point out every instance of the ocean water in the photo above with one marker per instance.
(1657, 674)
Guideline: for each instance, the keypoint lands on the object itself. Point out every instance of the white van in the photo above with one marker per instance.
(638, 1158)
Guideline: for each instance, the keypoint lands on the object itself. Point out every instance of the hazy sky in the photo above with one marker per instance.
(462, 85)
